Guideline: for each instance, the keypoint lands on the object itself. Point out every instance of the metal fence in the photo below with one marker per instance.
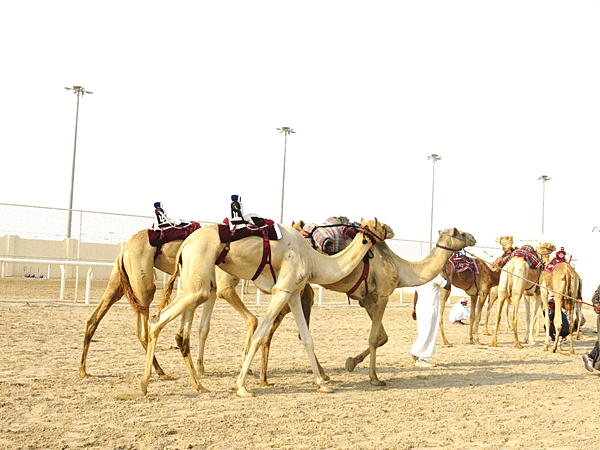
(42, 234)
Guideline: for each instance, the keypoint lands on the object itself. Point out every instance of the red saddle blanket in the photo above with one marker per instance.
(462, 263)
(555, 262)
(161, 236)
(260, 228)
(528, 253)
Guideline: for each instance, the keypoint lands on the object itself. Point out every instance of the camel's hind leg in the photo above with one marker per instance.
(114, 292)
(493, 296)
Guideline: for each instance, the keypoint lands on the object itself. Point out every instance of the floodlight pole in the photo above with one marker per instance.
(285, 131)
(434, 158)
(76, 90)
(544, 178)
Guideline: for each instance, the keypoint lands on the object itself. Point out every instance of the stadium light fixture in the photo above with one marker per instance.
(285, 131)
(79, 90)
(433, 158)
(544, 178)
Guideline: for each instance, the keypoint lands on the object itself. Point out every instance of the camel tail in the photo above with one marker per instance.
(126, 284)
(168, 289)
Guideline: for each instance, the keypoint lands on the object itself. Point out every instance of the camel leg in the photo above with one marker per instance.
(534, 319)
(493, 296)
(501, 300)
(514, 317)
(278, 301)
(571, 318)
(352, 362)
(226, 285)
(307, 300)
(181, 304)
(480, 302)
(110, 297)
(203, 330)
(445, 294)
(558, 302)
(377, 338)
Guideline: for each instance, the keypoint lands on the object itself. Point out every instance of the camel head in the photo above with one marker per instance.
(454, 239)
(298, 225)
(506, 242)
(545, 249)
(375, 230)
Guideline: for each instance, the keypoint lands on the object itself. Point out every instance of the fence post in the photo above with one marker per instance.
(88, 282)
(62, 281)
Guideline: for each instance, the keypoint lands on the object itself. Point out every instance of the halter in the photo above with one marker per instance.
(455, 236)
(371, 235)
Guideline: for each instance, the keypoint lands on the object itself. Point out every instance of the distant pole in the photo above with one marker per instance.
(76, 90)
(285, 131)
(434, 158)
(544, 178)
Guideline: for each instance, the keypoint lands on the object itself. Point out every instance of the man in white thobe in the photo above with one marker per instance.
(459, 312)
(427, 311)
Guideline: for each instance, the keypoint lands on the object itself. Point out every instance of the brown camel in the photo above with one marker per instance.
(133, 276)
(477, 285)
(387, 272)
(293, 264)
(519, 279)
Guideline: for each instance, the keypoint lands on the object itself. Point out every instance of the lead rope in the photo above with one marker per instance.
(532, 282)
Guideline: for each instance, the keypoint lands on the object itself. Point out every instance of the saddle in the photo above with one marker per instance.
(462, 263)
(158, 238)
(559, 258)
(258, 226)
(528, 253)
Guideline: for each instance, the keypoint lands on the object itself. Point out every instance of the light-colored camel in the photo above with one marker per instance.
(564, 284)
(518, 279)
(133, 275)
(507, 248)
(477, 286)
(293, 262)
(387, 272)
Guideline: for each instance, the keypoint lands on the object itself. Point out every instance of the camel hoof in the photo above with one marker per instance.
(447, 344)
(377, 382)
(264, 384)
(202, 390)
(493, 344)
(325, 377)
(519, 346)
(244, 393)
(326, 390)
(83, 374)
(164, 376)
(350, 364)
(144, 387)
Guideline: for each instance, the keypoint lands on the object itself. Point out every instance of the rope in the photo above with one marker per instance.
(533, 282)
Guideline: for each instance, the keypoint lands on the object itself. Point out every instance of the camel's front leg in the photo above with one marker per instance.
(501, 299)
(444, 298)
(307, 341)
(141, 331)
(534, 322)
(278, 300)
(493, 296)
(377, 338)
(266, 347)
(571, 317)
(476, 317)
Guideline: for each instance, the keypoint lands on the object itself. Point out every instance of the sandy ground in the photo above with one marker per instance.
(476, 396)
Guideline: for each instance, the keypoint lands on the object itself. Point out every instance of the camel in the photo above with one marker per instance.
(564, 283)
(518, 279)
(293, 264)
(477, 286)
(133, 275)
(387, 272)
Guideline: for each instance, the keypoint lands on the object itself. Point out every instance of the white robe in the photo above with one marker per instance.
(459, 312)
(428, 317)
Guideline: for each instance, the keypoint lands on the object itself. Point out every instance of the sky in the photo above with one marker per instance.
(187, 98)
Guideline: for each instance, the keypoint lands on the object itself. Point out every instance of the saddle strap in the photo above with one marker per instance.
(363, 277)
(266, 257)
